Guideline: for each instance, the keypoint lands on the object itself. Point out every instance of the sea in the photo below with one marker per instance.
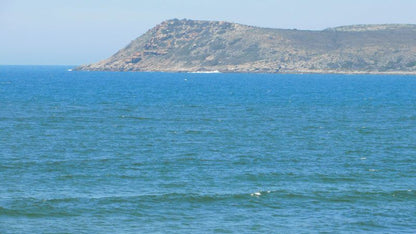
(142, 152)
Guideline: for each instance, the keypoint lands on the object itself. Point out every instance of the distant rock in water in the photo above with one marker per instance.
(207, 46)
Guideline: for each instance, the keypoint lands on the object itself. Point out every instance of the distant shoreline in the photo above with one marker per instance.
(76, 68)
(283, 72)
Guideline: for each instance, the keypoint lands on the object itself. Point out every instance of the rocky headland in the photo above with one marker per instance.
(214, 46)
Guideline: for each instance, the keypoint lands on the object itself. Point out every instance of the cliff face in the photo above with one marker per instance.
(198, 46)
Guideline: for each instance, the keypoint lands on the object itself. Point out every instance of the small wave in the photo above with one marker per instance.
(135, 117)
(196, 132)
(193, 132)
(38, 208)
(258, 194)
(31, 204)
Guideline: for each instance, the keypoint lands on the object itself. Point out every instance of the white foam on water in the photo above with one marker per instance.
(256, 194)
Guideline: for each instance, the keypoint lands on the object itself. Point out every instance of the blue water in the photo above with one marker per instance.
(187, 153)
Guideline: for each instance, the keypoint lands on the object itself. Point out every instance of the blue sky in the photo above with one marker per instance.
(84, 31)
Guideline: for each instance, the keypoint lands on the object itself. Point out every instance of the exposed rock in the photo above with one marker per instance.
(192, 46)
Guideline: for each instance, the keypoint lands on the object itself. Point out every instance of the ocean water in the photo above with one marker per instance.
(102, 152)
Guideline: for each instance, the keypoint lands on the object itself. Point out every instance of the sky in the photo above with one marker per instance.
(73, 32)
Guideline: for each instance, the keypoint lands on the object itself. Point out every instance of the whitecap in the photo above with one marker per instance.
(256, 194)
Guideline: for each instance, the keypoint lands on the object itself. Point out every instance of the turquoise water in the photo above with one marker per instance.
(158, 152)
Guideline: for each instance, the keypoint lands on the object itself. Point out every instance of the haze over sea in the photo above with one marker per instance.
(161, 152)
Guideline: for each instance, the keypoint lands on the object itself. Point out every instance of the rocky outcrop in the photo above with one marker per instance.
(203, 46)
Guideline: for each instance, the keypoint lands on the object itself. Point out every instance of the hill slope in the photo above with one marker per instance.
(192, 46)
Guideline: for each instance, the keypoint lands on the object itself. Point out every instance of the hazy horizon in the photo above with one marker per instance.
(47, 32)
